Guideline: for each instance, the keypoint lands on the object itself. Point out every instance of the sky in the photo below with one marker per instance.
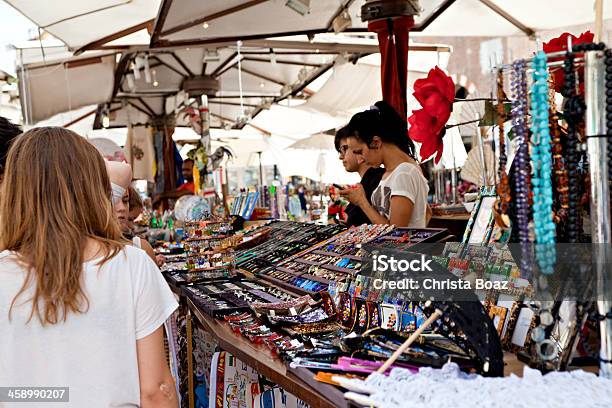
(14, 28)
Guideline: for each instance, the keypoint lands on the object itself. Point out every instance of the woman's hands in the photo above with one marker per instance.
(355, 195)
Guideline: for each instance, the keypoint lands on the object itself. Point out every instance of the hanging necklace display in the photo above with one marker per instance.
(546, 349)
(503, 186)
(542, 167)
(573, 112)
(522, 168)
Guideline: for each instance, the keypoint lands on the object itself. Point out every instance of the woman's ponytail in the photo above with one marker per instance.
(383, 121)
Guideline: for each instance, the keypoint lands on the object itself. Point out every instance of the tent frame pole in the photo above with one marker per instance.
(595, 98)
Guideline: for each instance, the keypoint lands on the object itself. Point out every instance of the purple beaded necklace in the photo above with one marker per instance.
(522, 168)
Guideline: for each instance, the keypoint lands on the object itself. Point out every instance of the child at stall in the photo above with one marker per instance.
(336, 208)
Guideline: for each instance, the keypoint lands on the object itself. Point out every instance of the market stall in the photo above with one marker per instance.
(293, 313)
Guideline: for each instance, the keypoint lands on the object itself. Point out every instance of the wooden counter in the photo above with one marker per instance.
(269, 365)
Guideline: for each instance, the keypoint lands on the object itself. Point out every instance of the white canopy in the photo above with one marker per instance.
(95, 23)
(78, 23)
(48, 89)
(195, 21)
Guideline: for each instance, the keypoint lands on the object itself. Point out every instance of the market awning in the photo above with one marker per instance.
(89, 22)
(65, 85)
(263, 72)
(95, 24)
(200, 22)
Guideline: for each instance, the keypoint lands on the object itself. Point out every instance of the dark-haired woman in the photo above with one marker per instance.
(380, 136)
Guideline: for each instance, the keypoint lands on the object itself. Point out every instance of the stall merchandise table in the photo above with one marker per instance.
(267, 364)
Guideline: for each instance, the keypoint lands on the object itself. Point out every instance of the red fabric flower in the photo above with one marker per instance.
(424, 129)
(560, 44)
(436, 94)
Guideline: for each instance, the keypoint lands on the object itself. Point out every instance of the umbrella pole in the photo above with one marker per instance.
(260, 170)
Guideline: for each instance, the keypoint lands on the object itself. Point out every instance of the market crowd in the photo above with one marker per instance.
(82, 302)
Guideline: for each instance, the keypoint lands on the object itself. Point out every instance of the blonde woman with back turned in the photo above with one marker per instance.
(78, 307)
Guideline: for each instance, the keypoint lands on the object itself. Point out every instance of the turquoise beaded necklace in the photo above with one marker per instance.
(542, 167)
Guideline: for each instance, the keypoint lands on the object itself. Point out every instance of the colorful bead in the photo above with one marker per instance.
(542, 167)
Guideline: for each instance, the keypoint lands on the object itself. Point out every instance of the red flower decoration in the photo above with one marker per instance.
(436, 94)
(560, 44)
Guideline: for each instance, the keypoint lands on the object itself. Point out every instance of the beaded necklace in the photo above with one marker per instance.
(573, 111)
(560, 215)
(542, 166)
(503, 186)
(522, 168)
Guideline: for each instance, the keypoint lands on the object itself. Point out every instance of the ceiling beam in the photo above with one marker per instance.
(123, 64)
(83, 62)
(279, 61)
(261, 76)
(433, 16)
(249, 105)
(262, 130)
(114, 36)
(296, 88)
(300, 50)
(160, 20)
(223, 71)
(287, 53)
(161, 62)
(243, 96)
(138, 108)
(346, 5)
(529, 32)
(147, 106)
(98, 117)
(223, 64)
(336, 47)
(144, 93)
(221, 117)
(219, 42)
(80, 118)
(182, 64)
(212, 17)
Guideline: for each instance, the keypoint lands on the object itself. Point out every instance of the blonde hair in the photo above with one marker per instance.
(54, 196)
